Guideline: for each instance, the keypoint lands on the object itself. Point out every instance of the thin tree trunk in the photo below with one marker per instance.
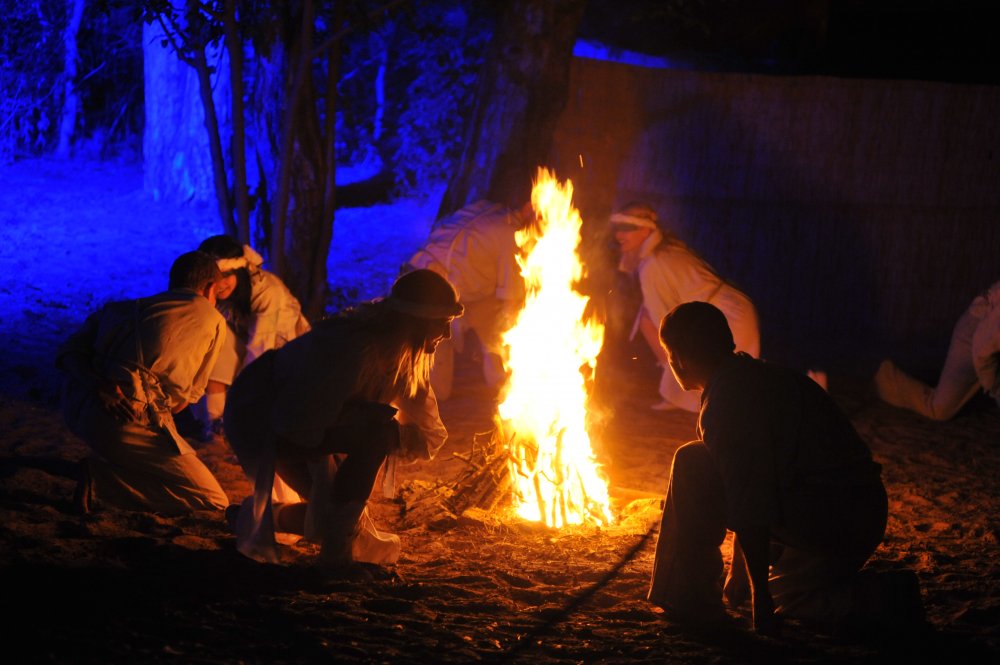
(302, 57)
(317, 296)
(71, 98)
(234, 45)
(214, 140)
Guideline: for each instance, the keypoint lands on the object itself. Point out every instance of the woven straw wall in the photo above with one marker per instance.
(861, 216)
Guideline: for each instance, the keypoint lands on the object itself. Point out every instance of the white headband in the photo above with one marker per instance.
(249, 258)
(634, 220)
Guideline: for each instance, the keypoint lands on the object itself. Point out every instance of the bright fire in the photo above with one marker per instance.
(552, 352)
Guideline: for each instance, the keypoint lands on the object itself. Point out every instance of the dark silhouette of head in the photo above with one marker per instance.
(697, 332)
(194, 270)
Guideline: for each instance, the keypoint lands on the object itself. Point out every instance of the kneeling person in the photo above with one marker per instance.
(324, 412)
(779, 465)
(132, 366)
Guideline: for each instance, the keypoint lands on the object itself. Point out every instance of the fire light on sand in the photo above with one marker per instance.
(552, 354)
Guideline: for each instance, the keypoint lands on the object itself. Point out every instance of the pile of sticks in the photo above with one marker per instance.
(484, 486)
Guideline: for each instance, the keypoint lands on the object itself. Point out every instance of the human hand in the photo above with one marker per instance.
(412, 445)
(114, 401)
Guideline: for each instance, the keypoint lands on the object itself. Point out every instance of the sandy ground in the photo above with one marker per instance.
(138, 587)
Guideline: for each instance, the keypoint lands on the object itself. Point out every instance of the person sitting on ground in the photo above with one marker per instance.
(261, 312)
(972, 365)
(474, 249)
(357, 385)
(670, 273)
(129, 368)
(782, 467)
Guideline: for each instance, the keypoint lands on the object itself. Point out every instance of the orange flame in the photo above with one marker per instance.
(549, 351)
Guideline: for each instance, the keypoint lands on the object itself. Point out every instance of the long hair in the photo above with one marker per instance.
(236, 308)
(395, 362)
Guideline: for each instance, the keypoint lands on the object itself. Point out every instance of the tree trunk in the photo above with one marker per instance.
(266, 99)
(211, 122)
(71, 99)
(521, 91)
(234, 46)
(176, 156)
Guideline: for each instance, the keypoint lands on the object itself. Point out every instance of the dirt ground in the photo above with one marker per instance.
(138, 587)
(116, 587)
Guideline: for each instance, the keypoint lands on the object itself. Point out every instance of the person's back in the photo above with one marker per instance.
(780, 415)
(130, 367)
(789, 457)
(782, 467)
(474, 249)
(277, 315)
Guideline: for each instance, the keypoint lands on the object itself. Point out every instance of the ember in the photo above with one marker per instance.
(552, 353)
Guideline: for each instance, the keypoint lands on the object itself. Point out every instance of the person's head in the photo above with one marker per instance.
(696, 337)
(228, 252)
(632, 224)
(196, 271)
(404, 330)
(430, 301)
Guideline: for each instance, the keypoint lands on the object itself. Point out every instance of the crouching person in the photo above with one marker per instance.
(325, 411)
(783, 468)
(130, 367)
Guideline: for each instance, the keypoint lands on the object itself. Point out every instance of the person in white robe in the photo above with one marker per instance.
(261, 313)
(670, 273)
(474, 248)
(971, 366)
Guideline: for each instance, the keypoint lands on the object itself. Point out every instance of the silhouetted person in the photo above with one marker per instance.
(325, 411)
(783, 468)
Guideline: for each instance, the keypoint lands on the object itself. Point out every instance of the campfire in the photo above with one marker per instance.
(537, 462)
(552, 354)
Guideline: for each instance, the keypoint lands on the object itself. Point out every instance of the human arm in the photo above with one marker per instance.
(421, 431)
(736, 590)
(754, 544)
(265, 311)
(650, 332)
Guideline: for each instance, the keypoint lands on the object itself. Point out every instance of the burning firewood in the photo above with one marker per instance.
(484, 486)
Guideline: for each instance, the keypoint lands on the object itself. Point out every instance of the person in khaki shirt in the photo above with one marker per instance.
(129, 368)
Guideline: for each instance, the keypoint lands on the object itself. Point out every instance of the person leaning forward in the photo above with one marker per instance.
(325, 411)
(129, 368)
(782, 467)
